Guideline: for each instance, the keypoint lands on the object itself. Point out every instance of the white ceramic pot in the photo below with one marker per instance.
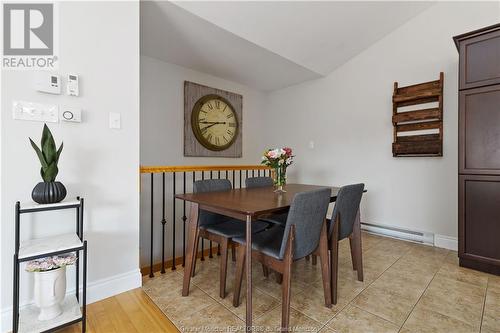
(50, 289)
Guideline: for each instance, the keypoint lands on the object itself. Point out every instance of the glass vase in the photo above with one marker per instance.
(280, 179)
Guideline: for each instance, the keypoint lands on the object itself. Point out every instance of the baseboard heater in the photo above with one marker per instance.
(409, 235)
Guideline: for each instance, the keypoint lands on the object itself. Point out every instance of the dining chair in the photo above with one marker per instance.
(219, 228)
(341, 226)
(254, 182)
(305, 232)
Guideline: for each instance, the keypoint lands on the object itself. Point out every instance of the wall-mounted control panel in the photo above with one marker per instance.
(72, 87)
(35, 111)
(48, 83)
(71, 114)
(53, 113)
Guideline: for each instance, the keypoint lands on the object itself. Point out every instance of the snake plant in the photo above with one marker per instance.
(48, 155)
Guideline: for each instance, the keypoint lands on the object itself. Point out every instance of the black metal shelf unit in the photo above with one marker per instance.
(67, 243)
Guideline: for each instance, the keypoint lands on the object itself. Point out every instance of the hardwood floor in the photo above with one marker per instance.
(128, 312)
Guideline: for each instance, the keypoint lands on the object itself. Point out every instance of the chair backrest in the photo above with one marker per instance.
(307, 213)
(259, 182)
(211, 185)
(346, 208)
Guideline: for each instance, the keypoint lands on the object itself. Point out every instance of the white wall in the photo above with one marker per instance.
(348, 116)
(99, 41)
(162, 128)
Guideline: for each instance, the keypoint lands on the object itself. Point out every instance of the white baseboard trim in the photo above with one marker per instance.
(446, 242)
(96, 291)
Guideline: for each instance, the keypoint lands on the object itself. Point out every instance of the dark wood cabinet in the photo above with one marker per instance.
(479, 138)
(479, 149)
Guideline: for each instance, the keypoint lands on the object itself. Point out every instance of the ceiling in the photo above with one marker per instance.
(267, 45)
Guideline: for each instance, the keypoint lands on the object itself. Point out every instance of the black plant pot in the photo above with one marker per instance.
(48, 192)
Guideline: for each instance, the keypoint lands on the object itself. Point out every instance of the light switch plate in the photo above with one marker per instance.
(22, 110)
(71, 114)
(115, 120)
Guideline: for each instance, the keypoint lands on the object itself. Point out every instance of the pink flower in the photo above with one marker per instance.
(288, 151)
(273, 153)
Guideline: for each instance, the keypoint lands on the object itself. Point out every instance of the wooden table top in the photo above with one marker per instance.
(252, 201)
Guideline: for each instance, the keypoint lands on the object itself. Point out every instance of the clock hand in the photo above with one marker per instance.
(212, 122)
(204, 128)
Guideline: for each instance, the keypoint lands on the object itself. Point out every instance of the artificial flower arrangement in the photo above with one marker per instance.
(278, 159)
(50, 263)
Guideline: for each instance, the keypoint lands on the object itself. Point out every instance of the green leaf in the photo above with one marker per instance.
(49, 174)
(48, 146)
(59, 152)
(39, 154)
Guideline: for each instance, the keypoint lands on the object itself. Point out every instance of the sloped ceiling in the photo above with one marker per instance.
(267, 45)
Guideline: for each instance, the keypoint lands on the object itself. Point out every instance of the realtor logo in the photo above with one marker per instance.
(28, 36)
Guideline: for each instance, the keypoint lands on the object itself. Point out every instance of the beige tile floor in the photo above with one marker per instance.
(407, 288)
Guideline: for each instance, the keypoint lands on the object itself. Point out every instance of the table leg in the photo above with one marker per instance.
(191, 247)
(249, 272)
(359, 249)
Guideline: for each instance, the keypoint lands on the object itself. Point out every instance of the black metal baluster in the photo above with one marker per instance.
(151, 275)
(240, 178)
(234, 178)
(184, 218)
(173, 221)
(253, 173)
(227, 174)
(163, 222)
(202, 240)
(210, 255)
(218, 175)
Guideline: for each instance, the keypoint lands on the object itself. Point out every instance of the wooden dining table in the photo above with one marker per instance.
(245, 204)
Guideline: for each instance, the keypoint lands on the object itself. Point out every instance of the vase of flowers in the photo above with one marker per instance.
(50, 283)
(278, 159)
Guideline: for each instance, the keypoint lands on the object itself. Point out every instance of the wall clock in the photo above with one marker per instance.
(212, 122)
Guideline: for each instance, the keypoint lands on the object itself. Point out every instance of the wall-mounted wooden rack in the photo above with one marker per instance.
(417, 120)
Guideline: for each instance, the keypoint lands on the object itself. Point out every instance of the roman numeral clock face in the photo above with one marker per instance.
(214, 122)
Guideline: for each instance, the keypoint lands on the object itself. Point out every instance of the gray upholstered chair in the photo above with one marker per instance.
(342, 225)
(219, 228)
(253, 182)
(305, 232)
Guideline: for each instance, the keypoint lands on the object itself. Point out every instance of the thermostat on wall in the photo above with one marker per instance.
(72, 88)
(48, 83)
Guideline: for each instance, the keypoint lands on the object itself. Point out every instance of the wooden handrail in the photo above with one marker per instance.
(189, 168)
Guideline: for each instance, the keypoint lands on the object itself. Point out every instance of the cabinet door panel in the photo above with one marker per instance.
(480, 60)
(479, 218)
(479, 126)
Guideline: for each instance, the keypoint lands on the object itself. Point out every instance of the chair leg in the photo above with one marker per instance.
(238, 275)
(223, 268)
(278, 277)
(233, 253)
(325, 266)
(334, 260)
(265, 270)
(314, 260)
(352, 244)
(358, 247)
(287, 281)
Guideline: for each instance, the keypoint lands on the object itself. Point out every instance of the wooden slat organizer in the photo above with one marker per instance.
(418, 144)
